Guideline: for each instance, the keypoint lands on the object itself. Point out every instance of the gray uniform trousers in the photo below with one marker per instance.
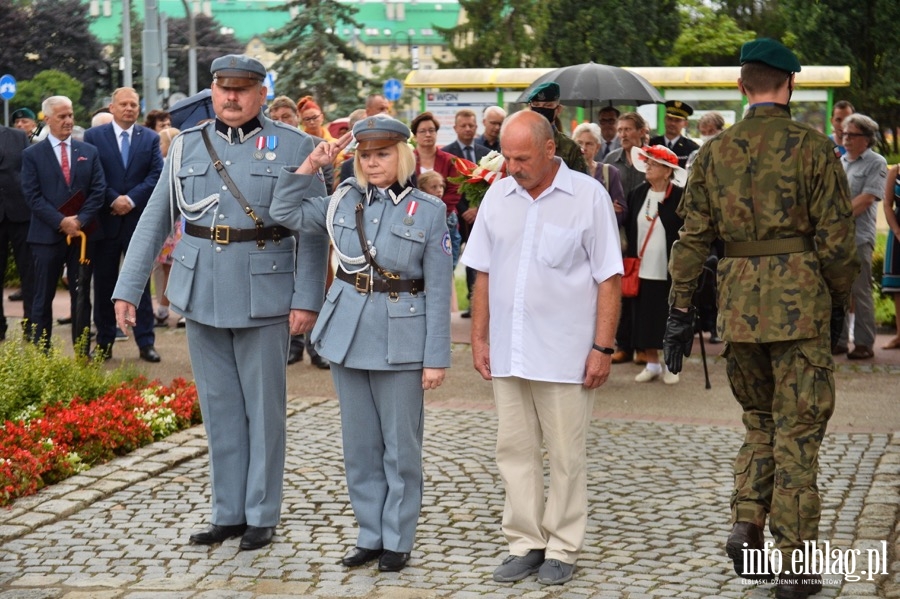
(236, 298)
(239, 375)
(383, 464)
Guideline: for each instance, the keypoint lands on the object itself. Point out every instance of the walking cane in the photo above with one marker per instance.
(706, 272)
(81, 319)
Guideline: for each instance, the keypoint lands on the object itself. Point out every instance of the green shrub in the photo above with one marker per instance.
(30, 379)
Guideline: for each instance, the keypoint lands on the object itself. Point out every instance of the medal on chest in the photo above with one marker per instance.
(271, 144)
(410, 211)
(260, 146)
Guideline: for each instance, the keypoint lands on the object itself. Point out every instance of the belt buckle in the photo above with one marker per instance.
(222, 234)
(393, 296)
(363, 282)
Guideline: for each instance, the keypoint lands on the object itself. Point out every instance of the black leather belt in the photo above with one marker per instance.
(364, 283)
(224, 235)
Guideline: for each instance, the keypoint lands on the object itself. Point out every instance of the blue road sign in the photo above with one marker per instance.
(270, 85)
(7, 87)
(392, 89)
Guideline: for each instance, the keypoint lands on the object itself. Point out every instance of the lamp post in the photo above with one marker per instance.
(192, 50)
(126, 44)
(411, 50)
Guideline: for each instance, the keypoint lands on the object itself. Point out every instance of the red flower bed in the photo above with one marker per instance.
(70, 438)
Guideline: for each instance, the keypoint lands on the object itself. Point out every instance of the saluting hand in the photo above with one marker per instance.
(323, 154)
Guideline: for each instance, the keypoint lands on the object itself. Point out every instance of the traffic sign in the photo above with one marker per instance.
(270, 85)
(392, 89)
(7, 87)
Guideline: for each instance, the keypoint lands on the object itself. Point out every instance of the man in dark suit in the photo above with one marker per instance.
(63, 184)
(14, 216)
(132, 163)
(465, 147)
(677, 113)
(492, 121)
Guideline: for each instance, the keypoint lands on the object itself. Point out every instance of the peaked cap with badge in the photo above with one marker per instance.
(678, 109)
(379, 131)
(237, 71)
(770, 52)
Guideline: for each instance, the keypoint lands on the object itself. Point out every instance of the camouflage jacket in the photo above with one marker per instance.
(569, 151)
(768, 177)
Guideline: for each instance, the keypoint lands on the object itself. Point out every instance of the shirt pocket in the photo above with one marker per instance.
(405, 247)
(558, 246)
(180, 285)
(271, 283)
(406, 330)
(345, 237)
(263, 176)
(192, 182)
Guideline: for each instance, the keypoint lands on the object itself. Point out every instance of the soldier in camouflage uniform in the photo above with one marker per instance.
(545, 101)
(774, 191)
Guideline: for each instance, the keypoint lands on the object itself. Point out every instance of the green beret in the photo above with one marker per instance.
(22, 113)
(545, 92)
(772, 53)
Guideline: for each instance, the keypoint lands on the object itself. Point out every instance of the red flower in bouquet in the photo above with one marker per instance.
(474, 179)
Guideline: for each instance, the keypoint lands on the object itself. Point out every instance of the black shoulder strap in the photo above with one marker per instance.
(360, 224)
(229, 182)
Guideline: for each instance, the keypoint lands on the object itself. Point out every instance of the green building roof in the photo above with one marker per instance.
(383, 23)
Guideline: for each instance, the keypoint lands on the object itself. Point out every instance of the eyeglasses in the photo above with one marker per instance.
(607, 121)
(312, 119)
(845, 134)
(426, 131)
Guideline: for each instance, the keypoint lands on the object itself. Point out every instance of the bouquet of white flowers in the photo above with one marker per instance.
(474, 179)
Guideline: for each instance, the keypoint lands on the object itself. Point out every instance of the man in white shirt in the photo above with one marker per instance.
(546, 249)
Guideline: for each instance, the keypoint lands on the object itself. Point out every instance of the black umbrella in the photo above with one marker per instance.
(192, 110)
(81, 318)
(593, 84)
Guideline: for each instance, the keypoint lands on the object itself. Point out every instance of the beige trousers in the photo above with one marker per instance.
(532, 413)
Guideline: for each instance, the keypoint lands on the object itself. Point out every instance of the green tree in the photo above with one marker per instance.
(859, 34)
(38, 36)
(310, 49)
(708, 37)
(766, 17)
(51, 83)
(63, 41)
(396, 68)
(616, 32)
(503, 35)
(211, 44)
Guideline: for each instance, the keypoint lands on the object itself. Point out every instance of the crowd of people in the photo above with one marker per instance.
(271, 232)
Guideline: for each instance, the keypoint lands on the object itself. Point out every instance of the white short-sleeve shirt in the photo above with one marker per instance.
(546, 258)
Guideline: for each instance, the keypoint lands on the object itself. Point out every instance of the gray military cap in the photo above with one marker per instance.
(237, 71)
(379, 131)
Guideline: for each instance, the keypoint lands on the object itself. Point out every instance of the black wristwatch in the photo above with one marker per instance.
(604, 350)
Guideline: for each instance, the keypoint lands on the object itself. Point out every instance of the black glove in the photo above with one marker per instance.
(678, 338)
(837, 324)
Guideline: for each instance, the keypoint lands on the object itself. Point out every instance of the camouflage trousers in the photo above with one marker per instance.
(786, 390)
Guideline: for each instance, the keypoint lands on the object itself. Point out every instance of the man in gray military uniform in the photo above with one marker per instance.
(234, 281)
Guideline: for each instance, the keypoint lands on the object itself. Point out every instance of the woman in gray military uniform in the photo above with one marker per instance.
(385, 325)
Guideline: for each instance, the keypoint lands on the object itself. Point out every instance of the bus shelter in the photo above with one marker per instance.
(443, 91)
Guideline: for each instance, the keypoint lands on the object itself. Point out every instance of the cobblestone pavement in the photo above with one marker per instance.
(659, 517)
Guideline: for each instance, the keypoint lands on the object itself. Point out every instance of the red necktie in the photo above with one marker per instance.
(65, 163)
